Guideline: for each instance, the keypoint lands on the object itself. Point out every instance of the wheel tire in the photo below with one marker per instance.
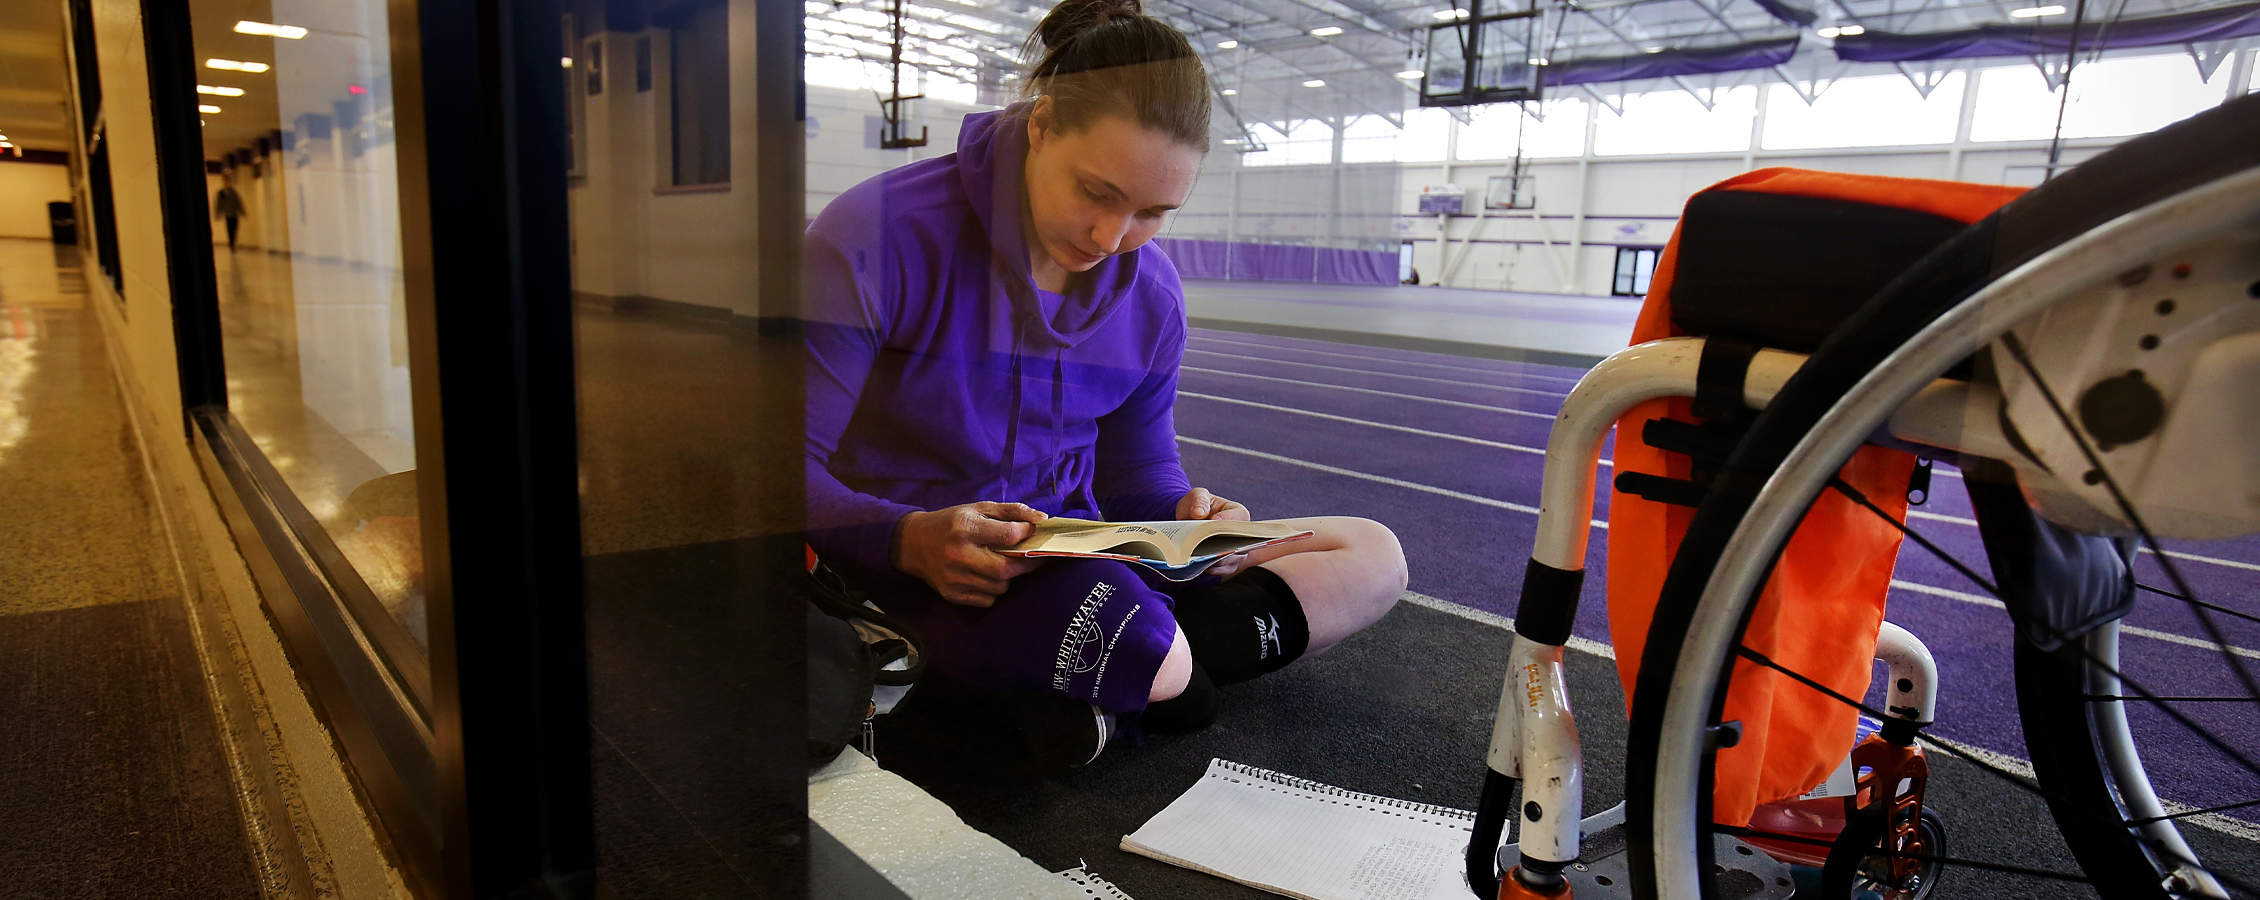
(2067, 758)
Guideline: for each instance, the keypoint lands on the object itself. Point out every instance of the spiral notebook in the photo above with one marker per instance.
(1305, 839)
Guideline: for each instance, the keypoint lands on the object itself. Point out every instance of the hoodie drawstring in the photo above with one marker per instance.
(1011, 422)
(1059, 423)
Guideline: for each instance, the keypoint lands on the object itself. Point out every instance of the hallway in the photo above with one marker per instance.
(112, 778)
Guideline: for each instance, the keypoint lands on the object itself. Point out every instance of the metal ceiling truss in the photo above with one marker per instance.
(1277, 50)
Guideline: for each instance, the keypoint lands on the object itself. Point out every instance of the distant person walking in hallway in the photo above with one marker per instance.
(228, 204)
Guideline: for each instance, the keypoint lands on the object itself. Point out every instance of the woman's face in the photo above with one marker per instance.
(1103, 189)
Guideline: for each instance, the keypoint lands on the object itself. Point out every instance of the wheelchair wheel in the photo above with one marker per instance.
(2149, 199)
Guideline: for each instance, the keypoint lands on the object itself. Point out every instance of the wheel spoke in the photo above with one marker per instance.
(1763, 660)
(2192, 812)
(2016, 349)
(2117, 697)
(2238, 756)
(2193, 601)
(1842, 487)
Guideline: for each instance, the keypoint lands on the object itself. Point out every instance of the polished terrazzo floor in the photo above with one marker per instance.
(112, 782)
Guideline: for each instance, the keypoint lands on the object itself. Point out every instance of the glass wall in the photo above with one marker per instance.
(298, 116)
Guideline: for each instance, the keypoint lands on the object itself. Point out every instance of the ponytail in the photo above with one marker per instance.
(1107, 57)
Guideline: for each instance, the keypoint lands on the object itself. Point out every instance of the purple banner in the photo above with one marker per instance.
(2220, 24)
(1244, 261)
(1198, 259)
(1789, 12)
(1664, 64)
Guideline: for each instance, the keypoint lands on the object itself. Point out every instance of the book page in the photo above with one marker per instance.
(1308, 840)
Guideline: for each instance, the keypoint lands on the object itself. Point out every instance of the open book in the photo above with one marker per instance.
(1179, 550)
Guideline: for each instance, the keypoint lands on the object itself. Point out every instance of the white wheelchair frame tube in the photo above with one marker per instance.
(1534, 736)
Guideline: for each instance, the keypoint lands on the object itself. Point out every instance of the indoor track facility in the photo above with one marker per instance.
(981, 449)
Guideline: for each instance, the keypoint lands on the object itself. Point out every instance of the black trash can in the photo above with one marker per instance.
(62, 222)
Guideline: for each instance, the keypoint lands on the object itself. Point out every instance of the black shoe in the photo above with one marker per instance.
(947, 737)
(1061, 734)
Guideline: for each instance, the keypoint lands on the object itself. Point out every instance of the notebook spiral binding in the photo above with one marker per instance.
(1319, 787)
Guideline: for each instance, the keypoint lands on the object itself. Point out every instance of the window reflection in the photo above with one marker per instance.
(312, 308)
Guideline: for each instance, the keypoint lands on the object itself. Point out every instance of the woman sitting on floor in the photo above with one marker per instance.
(988, 345)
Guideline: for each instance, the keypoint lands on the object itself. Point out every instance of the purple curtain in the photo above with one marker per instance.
(1701, 61)
(1357, 267)
(2221, 24)
(1197, 258)
(1244, 261)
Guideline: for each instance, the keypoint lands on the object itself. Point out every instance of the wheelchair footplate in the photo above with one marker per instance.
(1603, 868)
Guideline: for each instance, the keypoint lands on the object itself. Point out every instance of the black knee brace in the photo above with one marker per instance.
(1185, 713)
(1248, 626)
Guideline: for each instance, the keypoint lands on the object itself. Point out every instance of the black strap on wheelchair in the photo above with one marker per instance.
(1549, 603)
(1719, 376)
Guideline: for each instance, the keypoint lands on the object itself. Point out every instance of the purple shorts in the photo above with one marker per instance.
(1092, 629)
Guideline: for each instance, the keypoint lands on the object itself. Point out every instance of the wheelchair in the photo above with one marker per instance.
(2087, 355)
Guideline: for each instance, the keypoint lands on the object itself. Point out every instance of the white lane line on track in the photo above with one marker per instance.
(1579, 644)
(1366, 476)
(2153, 634)
(1358, 390)
(2177, 554)
(1403, 362)
(2021, 768)
(2192, 557)
(1471, 384)
(1939, 517)
(1541, 451)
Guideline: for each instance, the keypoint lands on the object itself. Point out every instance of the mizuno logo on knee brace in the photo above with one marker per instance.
(1267, 637)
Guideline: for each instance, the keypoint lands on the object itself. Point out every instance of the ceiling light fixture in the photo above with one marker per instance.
(1327, 31)
(229, 65)
(1651, 49)
(1226, 45)
(1851, 31)
(1538, 61)
(1231, 93)
(286, 32)
(1315, 82)
(1410, 74)
(2034, 12)
(207, 108)
(217, 91)
(567, 62)
(1451, 14)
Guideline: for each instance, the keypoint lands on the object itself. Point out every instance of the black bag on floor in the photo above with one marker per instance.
(853, 650)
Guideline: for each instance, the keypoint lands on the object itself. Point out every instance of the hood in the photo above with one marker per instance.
(991, 148)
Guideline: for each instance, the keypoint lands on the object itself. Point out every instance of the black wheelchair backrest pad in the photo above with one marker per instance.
(1784, 270)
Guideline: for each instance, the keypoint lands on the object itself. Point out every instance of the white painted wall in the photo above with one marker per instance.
(25, 190)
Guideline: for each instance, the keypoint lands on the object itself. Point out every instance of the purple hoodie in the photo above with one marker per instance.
(938, 374)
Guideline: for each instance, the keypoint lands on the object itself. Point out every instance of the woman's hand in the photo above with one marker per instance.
(1198, 503)
(954, 550)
